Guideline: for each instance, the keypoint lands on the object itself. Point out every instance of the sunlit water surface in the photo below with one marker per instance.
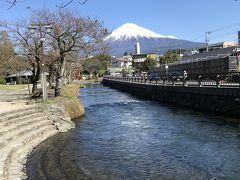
(122, 137)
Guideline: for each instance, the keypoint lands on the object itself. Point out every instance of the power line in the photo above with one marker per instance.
(219, 29)
(225, 27)
(224, 35)
(206, 35)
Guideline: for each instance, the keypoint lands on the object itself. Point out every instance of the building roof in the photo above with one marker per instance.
(136, 56)
(216, 52)
(219, 45)
(22, 73)
(213, 54)
(123, 59)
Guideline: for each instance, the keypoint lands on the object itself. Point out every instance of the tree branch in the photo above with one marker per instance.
(13, 3)
(69, 2)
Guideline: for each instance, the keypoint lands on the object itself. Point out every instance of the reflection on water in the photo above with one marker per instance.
(121, 137)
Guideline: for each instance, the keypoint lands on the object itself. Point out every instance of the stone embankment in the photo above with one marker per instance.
(223, 100)
(22, 130)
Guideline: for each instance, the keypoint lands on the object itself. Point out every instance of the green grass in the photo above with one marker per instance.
(13, 87)
(69, 98)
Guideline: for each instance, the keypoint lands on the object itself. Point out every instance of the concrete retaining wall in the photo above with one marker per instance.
(220, 100)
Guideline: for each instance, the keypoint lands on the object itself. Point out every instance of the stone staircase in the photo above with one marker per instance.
(20, 131)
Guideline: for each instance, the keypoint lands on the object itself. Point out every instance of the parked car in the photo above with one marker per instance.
(154, 77)
(176, 75)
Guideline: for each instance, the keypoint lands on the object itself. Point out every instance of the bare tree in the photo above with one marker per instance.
(17, 66)
(6, 52)
(28, 47)
(71, 33)
(63, 5)
(13, 3)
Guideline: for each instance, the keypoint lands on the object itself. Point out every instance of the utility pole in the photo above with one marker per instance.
(207, 39)
(40, 29)
(43, 78)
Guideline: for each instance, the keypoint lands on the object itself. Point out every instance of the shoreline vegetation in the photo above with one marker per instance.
(69, 99)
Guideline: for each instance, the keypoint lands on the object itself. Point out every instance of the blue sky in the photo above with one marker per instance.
(185, 19)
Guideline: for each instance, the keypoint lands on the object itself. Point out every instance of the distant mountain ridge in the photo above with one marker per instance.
(123, 39)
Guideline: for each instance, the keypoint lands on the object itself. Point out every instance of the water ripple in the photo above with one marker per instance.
(122, 137)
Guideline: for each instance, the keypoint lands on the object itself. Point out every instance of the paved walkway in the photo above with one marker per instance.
(13, 100)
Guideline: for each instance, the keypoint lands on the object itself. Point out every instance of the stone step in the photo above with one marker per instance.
(20, 119)
(21, 124)
(20, 110)
(16, 167)
(5, 139)
(20, 140)
(23, 112)
(25, 144)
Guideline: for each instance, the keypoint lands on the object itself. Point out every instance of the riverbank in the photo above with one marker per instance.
(24, 126)
(123, 137)
(211, 99)
(68, 101)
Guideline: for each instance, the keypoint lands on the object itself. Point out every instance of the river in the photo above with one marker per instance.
(122, 137)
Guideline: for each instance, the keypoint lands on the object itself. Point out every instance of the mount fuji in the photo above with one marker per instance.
(123, 39)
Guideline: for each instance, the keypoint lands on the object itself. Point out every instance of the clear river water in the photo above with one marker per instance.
(122, 137)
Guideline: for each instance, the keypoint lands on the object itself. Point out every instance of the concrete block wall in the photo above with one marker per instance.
(212, 99)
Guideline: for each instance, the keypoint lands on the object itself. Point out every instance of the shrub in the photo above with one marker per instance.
(2, 81)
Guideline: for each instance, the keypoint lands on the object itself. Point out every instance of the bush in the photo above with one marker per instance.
(2, 81)
(102, 72)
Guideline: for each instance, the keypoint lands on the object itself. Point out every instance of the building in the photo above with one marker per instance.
(220, 45)
(138, 59)
(22, 77)
(122, 62)
(216, 61)
(137, 48)
(120, 65)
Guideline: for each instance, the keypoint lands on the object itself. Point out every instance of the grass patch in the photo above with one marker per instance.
(13, 87)
(69, 98)
(70, 91)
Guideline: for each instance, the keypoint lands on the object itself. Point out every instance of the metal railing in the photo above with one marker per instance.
(230, 80)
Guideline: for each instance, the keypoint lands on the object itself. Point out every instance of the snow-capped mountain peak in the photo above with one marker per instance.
(124, 38)
(130, 30)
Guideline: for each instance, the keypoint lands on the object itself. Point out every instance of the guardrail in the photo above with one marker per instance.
(231, 80)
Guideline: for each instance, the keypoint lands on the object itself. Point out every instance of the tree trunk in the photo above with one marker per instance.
(35, 78)
(59, 76)
(51, 75)
(34, 88)
(58, 84)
